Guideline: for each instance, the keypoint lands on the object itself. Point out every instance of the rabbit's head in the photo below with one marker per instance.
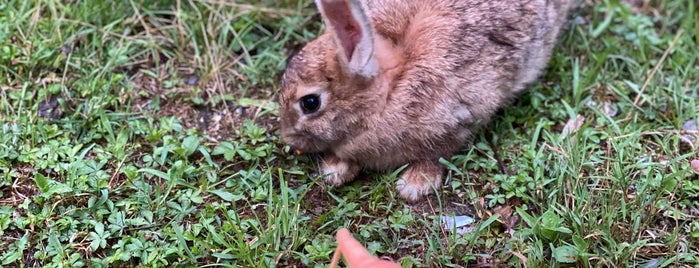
(329, 87)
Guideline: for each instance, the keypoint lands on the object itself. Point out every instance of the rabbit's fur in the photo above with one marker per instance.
(408, 81)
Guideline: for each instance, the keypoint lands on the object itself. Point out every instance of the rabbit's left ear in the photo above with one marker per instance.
(353, 34)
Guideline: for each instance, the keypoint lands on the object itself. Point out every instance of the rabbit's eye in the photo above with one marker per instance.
(310, 103)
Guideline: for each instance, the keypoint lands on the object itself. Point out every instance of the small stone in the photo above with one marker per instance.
(239, 111)
(654, 263)
(611, 109)
(193, 80)
(686, 138)
(689, 126)
(66, 49)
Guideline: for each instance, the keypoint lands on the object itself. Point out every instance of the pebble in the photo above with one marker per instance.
(689, 125)
(193, 80)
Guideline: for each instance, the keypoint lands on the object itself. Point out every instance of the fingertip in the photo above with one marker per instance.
(342, 234)
(355, 254)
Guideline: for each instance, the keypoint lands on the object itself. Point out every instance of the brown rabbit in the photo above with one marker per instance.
(394, 82)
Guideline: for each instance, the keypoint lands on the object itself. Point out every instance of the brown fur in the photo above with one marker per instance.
(444, 68)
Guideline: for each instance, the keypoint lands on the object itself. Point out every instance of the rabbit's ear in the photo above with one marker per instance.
(353, 33)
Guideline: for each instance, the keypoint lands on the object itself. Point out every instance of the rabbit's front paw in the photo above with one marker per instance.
(418, 180)
(338, 171)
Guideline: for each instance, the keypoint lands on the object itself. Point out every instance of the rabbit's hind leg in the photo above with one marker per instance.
(419, 179)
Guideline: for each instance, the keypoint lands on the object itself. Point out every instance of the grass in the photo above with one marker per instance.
(144, 133)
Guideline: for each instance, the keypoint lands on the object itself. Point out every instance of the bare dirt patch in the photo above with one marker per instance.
(22, 188)
(186, 98)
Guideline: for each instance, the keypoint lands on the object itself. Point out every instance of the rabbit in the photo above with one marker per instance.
(396, 82)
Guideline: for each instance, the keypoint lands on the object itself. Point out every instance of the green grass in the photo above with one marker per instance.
(144, 133)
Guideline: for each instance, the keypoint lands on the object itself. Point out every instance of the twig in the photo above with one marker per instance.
(637, 100)
(247, 8)
(498, 158)
(116, 173)
(148, 29)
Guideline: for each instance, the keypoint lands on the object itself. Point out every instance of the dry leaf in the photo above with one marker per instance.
(572, 125)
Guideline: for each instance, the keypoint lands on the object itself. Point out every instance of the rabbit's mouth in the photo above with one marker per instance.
(305, 143)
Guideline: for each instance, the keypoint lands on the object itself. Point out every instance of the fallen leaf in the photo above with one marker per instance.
(572, 125)
(50, 108)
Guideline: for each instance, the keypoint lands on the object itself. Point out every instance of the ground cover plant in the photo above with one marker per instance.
(144, 133)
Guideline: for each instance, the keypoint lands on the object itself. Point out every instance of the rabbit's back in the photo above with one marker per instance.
(443, 37)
